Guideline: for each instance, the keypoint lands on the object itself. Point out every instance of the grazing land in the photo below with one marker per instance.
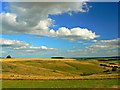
(55, 73)
(106, 83)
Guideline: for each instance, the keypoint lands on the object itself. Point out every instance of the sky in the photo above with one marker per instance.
(46, 29)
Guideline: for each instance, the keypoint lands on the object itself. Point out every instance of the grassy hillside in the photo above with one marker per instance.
(51, 69)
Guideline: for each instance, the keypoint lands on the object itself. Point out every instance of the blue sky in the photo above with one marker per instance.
(99, 18)
(89, 29)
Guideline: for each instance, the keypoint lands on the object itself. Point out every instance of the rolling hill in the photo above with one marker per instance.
(52, 69)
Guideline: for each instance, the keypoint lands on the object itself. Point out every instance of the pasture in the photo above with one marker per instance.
(106, 83)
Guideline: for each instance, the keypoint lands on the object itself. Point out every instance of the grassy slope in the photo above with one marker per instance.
(46, 68)
(50, 68)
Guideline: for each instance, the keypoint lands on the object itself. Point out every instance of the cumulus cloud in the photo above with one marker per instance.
(73, 34)
(29, 17)
(10, 25)
(42, 27)
(33, 18)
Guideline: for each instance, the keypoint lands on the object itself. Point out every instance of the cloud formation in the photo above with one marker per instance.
(73, 34)
(28, 17)
(106, 44)
(98, 48)
(33, 18)
(21, 46)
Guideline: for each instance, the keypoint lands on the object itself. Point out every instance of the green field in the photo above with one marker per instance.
(106, 83)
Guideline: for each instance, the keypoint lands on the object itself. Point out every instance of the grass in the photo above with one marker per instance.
(105, 83)
(45, 68)
(50, 68)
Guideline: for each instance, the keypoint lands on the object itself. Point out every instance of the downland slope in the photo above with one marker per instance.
(53, 69)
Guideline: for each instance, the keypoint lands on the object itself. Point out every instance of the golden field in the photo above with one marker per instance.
(53, 69)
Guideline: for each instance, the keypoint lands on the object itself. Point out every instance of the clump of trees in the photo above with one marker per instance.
(111, 65)
(8, 56)
(57, 57)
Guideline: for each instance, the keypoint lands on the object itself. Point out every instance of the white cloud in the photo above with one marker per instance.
(33, 18)
(44, 48)
(94, 40)
(10, 24)
(114, 43)
(73, 34)
(99, 48)
(43, 24)
(42, 27)
(21, 46)
(15, 43)
(9, 18)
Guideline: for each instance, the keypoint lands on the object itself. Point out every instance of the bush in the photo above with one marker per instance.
(86, 74)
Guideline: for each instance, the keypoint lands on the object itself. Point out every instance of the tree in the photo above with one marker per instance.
(114, 68)
(8, 56)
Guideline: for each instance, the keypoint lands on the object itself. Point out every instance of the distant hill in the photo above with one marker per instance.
(110, 57)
